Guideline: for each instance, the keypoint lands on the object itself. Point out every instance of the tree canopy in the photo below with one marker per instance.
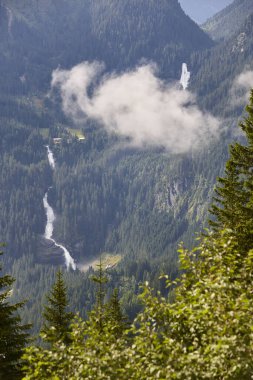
(233, 204)
(13, 335)
(57, 319)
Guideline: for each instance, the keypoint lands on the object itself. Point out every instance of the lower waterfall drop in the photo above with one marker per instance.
(69, 261)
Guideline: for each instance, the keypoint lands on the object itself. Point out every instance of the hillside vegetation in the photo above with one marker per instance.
(201, 330)
(229, 20)
(136, 203)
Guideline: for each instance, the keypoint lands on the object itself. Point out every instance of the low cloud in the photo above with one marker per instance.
(240, 90)
(135, 104)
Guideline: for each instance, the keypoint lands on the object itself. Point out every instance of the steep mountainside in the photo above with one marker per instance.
(226, 22)
(108, 199)
(37, 36)
(217, 68)
(201, 10)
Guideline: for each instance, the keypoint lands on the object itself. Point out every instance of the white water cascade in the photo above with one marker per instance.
(69, 261)
(185, 76)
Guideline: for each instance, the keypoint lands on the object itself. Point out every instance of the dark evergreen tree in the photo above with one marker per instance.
(100, 279)
(13, 335)
(233, 207)
(115, 316)
(57, 319)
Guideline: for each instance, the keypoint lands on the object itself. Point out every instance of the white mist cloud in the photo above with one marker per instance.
(135, 104)
(240, 90)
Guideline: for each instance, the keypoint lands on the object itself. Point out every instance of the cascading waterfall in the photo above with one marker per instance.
(69, 261)
(185, 76)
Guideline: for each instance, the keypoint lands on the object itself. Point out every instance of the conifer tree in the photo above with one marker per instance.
(233, 207)
(57, 319)
(101, 279)
(107, 314)
(13, 335)
(115, 316)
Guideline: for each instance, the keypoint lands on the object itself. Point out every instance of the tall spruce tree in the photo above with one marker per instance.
(233, 203)
(115, 316)
(13, 335)
(57, 319)
(100, 279)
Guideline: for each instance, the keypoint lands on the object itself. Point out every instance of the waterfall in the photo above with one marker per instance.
(69, 261)
(185, 76)
(50, 157)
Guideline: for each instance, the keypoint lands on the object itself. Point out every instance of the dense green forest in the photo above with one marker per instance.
(131, 205)
(201, 330)
(107, 200)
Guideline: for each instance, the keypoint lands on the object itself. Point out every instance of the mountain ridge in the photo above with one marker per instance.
(37, 37)
(229, 20)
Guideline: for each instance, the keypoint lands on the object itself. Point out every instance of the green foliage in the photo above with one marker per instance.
(13, 335)
(56, 318)
(203, 331)
(92, 339)
(88, 357)
(206, 333)
(100, 279)
(107, 314)
(114, 315)
(234, 204)
(107, 198)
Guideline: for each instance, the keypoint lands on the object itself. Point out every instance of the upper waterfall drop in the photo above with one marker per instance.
(50, 157)
(69, 261)
(50, 218)
(185, 76)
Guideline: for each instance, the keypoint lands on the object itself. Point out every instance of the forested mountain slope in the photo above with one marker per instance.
(217, 69)
(108, 198)
(37, 36)
(226, 22)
